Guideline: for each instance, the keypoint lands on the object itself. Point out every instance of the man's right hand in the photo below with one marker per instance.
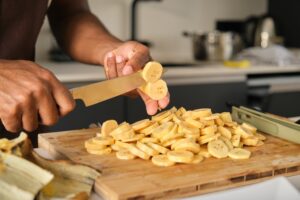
(27, 92)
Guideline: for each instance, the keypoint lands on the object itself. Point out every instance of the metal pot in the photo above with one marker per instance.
(215, 46)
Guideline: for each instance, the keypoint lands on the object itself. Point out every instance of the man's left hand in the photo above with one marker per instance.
(126, 59)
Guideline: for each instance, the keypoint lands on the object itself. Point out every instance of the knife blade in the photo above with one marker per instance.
(104, 90)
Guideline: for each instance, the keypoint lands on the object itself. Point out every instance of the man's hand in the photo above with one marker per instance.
(27, 92)
(128, 58)
(85, 39)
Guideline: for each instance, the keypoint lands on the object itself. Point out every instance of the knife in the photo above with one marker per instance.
(104, 90)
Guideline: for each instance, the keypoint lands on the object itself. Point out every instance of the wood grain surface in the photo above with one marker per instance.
(139, 179)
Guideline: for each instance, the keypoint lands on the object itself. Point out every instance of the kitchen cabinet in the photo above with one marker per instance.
(279, 94)
(284, 103)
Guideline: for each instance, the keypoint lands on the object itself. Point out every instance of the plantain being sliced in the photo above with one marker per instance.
(152, 71)
(156, 90)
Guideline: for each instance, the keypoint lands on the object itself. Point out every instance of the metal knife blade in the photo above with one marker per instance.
(104, 90)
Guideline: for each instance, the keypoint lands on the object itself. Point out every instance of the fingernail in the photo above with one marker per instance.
(151, 111)
(127, 70)
(164, 103)
(119, 59)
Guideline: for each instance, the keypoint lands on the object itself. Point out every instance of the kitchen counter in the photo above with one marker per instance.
(71, 72)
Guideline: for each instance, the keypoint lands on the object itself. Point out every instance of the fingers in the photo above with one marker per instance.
(151, 105)
(64, 101)
(138, 60)
(48, 110)
(63, 98)
(30, 118)
(120, 63)
(163, 103)
(56, 95)
(111, 66)
(11, 113)
(19, 111)
(12, 123)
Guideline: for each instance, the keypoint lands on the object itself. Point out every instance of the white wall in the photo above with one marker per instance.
(163, 22)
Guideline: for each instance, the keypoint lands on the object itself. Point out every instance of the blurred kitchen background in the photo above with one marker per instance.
(217, 52)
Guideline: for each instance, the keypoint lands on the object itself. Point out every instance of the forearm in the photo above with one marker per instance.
(82, 36)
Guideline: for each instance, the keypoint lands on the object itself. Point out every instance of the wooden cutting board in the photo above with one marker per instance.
(139, 179)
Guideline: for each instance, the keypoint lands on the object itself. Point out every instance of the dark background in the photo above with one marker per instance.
(286, 14)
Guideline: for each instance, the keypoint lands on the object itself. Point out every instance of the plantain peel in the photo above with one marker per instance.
(67, 169)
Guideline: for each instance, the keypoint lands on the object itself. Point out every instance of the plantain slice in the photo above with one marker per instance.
(108, 126)
(218, 149)
(180, 156)
(156, 90)
(141, 124)
(158, 148)
(125, 155)
(152, 71)
(145, 148)
(239, 153)
(162, 161)
(99, 151)
(197, 159)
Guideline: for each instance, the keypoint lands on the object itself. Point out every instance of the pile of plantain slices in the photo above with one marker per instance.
(176, 136)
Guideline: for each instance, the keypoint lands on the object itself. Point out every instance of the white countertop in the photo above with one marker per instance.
(69, 72)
